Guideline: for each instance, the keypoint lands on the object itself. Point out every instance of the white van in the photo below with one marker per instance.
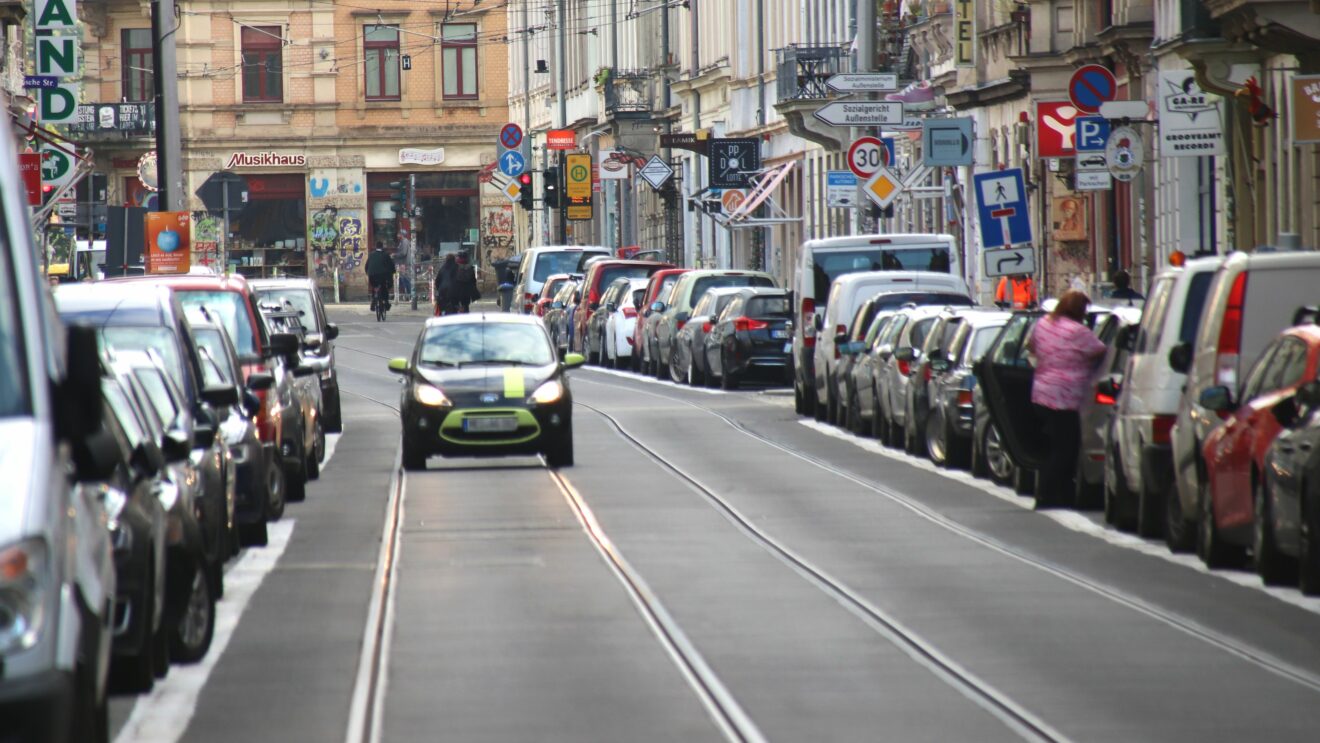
(539, 264)
(846, 294)
(823, 261)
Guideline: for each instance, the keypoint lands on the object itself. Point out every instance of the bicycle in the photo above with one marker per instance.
(381, 301)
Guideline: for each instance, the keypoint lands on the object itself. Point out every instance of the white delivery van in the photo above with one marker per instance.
(823, 261)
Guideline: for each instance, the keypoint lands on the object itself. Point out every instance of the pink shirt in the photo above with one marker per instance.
(1066, 352)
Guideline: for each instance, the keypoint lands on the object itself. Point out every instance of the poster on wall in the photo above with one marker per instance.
(1068, 218)
(167, 244)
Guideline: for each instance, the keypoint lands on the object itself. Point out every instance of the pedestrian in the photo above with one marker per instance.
(1066, 355)
(380, 275)
(446, 287)
(401, 252)
(504, 274)
(1017, 292)
(467, 291)
(1122, 281)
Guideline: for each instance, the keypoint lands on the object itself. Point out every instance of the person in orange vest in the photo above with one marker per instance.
(1016, 292)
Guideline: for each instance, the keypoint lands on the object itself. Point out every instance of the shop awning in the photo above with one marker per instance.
(766, 183)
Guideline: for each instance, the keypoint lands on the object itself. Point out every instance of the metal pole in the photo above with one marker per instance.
(158, 95)
(561, 42)
(527, 110)
(412, 239)
(669, 206)
(224, 236)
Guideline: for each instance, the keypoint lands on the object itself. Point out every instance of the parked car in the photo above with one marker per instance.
(259, 496)
(540, 263)
(1115, 326)
(1291, 484)
(690, 346)
(614, 299)
(56, 640)
(937, 348)
(621, 325)
(549, 288)
(483, 385)
(894, 371)
(820, 262)
(320, 338)
(1234, 453)
(558, 318)
(1253, 298)
(600, 273)
(951, 412)
(846, 294)
(305, 447)
(674, 313)
(750, 339)
(866, 326)
(658, 289)
(1138, 483)
(865, 374)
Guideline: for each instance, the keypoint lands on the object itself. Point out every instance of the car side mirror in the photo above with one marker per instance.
(611, 307)
(398, 366)
(203, 436)
(260, 381)
(593, 306)
(1180, 357)
(574, 360)
(1309, 394)
(331, 331)
(1109, 387)
(556, 305)
(220, 396)
(1286, 411)
(251, 403)
(146, 459)
(657, 306)
(1217, 399)
(840, 339)
(282, 344)
(175, 445)
(906, 353)
(682, 317)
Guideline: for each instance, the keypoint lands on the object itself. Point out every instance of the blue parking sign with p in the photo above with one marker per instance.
(1092, 133)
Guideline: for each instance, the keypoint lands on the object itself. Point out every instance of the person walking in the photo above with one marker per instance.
(1016, 292)
(467, 291)
(446, 287)
(504, 275)
(380, 275)
(1066, 355)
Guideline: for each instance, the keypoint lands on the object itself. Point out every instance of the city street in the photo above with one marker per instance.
(714, 567)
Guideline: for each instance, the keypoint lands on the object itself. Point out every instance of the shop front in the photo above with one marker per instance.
(449, 203)
(268, 238)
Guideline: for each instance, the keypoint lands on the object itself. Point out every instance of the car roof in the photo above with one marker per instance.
(980, 317)
(287, 283)
(119, 304)
(935, 278)
(505, 318)
(865, 241)
(230, 282)
(1272, 259)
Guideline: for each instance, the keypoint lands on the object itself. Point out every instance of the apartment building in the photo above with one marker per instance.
(319, 107)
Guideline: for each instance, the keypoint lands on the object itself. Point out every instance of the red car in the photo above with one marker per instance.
(548, 291)
(1235, 451)
(660, 284)
(600, 274)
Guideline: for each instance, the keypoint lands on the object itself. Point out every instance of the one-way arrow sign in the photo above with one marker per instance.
(1009, 261)
(861, 113)
(863, 82)
(946, 142)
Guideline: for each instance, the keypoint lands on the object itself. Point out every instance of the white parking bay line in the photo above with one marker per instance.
(331, 442)
(1076, 521)
(163, 715)
(650, 380)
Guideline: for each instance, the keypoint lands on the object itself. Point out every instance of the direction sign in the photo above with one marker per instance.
(947, 142)
(1090, 86)
(656, 172)
(1008, 261)
(865, 156)
(863, 82)
(861, 113)
(1001, 201)
(40, 81)
(512, 163)
(840, 189)
(1092, 134)
(511, 136)
(733, 161)
(1124, 153)
(883, 188)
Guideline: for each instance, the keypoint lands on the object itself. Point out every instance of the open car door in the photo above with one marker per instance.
(1005, 375)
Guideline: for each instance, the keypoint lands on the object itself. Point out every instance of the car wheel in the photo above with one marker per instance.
(675, 376)
(317, 453)
(1117, 495)
(192, 635)
(274, 492)
(414, 458)
(729, 381)
(877, 421)
(136, 674)
(696, 377)
(334, 422)
(559, 453)
(1150, 512)
(1210, 545)
(1001, 468)
(936, 444)
(1308, 548)
(253, 535)
(1273, 567)
(295, 486)
(1024, 481)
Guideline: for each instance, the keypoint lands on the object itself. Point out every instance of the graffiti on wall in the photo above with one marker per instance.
(206, 238)
(329, 189)
(322, 186)
(496, 232)
(337, 240)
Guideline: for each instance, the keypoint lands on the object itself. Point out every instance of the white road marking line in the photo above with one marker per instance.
(652, 380)
(1075, 521)
(331, 443)
(163, 715)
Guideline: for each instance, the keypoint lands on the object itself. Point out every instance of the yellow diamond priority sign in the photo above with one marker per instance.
(883, 188)
(513, 190)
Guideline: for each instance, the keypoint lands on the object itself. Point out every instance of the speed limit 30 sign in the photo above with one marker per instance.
(865, 156)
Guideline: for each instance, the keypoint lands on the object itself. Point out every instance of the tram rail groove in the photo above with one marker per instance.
(1265, 661)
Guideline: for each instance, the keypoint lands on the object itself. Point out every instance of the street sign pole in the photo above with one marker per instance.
(224, 236)
(412, 239)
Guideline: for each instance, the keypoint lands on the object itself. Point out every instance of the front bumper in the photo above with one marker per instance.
(443, 431)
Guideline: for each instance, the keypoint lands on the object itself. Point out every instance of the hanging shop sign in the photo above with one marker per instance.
(414, 156)
(1306, 108)
(56, 46)
(1190, 125)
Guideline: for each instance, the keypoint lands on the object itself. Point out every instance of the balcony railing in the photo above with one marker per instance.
(628, 94)
(803, 70)
(114, 120)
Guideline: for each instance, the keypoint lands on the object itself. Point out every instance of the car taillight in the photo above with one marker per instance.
(629, 312)
(925, 373)
(1230, 338)
(529, 300)
(705, 327)
(1161, 428)
(1103, 399)
(838, 331)
(964, 397)
(808, 323)
(679, 325)
(904, 367)
(744, 324)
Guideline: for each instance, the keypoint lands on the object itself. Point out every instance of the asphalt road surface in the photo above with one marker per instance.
(713, 568)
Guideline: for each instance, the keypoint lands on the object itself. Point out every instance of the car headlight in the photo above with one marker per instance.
(547, 393)
(430, 395)
(23, 586)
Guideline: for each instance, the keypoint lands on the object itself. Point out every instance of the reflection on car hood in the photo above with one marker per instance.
(464, 385)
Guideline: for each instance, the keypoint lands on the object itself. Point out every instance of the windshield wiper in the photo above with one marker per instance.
(501, 362)
(433, 362)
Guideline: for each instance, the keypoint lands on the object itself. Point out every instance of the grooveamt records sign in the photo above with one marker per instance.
(265, 160)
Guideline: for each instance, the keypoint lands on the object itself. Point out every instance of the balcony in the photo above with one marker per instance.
(627, 94)
(803, 70)
(108, 122)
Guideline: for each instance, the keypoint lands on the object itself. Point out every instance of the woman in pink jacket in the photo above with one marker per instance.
(1066, 354)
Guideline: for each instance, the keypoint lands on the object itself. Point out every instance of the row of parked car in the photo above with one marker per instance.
(152, 428)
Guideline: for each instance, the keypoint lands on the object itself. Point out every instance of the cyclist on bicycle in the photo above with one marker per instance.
(380, 275)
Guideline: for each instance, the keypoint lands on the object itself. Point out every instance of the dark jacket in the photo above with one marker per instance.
(467, 283)
(446, 284)
(380, 264)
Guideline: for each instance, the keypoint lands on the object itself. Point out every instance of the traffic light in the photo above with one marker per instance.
(47, 191)
(550, 184)
(399, 195)
(525, 196)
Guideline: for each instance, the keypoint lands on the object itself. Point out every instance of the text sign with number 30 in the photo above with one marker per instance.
(865, 156)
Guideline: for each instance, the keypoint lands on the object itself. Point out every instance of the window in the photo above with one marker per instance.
(381, 55)
(458, 48)
(136, 74)
(263, 64)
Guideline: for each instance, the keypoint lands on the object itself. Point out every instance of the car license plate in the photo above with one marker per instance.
(502, 424)
(779, 333)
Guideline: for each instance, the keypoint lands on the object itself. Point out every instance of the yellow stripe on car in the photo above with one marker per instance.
(515, 385)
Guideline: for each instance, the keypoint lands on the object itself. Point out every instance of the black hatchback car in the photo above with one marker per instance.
(485, 385)
(751, 338)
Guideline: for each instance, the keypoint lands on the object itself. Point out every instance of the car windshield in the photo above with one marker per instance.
(486, 343)
(146, 339)
(894, 301)
(301, 299)
(917, 336)
(828, 266)
(706, 283)
(15, 398)
(559, 261)
(610, 273)
(213, 343)
(981, 342)
(230, 310)
(769, 307)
